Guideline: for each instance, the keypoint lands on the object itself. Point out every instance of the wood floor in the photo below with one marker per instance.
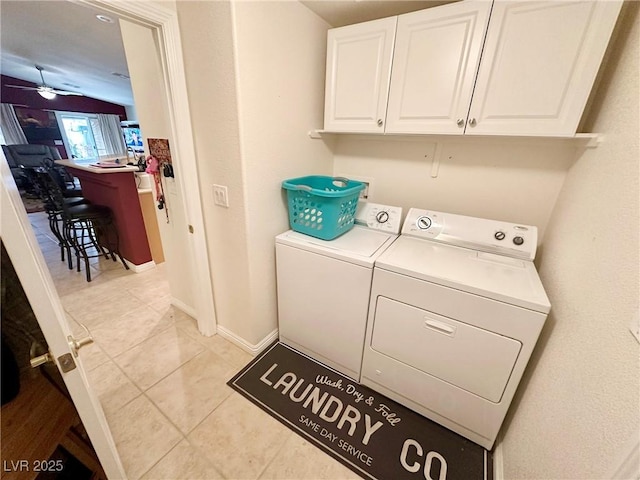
(34, 424)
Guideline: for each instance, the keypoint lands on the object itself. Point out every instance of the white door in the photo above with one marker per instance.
(435, 63)
(30, 266)
(357, 77)
(538, 66)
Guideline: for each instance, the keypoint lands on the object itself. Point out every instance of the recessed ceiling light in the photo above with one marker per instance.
(104, 18)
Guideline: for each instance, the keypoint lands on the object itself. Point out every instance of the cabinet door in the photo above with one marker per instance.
(357, 80)
(538, 66)
(434, 67)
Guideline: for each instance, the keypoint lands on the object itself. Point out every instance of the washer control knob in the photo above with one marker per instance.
(423, 223)
(499, 235)
(518, 240)
(382, 216)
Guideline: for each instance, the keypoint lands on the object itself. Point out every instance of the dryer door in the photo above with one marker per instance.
(476, 360)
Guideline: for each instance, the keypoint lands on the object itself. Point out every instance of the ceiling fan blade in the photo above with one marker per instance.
(44, 88)
(22, 87)
(65, 92)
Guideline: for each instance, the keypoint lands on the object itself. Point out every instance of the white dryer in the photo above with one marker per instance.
(456, 309)
(324, 286)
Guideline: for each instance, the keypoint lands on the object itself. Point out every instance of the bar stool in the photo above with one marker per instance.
(38, 178)
(72, 194)
(65, 181)
(85, 226)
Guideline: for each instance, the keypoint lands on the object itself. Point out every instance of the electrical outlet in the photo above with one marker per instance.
(367, 193)
(221, 195)
(364, 194)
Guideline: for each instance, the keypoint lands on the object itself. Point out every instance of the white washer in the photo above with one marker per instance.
(324, 286)
(456, 309)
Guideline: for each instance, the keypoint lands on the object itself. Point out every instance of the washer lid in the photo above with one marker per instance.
(360, 245)
(509, 280)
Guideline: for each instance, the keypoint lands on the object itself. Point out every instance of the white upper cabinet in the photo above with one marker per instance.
(435, 62)
(357, 78)
(505, 67)
(538, 67)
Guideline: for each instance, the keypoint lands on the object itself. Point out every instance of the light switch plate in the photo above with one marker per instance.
(221, 195)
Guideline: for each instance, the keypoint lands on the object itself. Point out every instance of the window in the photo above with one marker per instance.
(81, 135)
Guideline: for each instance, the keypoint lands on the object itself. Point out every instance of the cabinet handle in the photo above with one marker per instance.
(379, 122)
(460, 122)
(472, 122)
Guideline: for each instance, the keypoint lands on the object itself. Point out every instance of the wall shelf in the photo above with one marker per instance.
(580, 140)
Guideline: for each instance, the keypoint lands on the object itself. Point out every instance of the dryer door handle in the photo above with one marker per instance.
(440, 326)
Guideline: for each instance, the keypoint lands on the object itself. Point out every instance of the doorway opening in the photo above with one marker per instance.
(163, 24)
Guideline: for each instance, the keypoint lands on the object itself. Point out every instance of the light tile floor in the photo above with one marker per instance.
(163, 385)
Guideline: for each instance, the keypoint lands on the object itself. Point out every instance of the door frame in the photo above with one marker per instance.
(164, 22)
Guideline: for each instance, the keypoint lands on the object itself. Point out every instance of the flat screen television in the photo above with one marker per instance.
(133, 137)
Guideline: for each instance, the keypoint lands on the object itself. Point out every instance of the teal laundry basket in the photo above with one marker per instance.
(323, 207)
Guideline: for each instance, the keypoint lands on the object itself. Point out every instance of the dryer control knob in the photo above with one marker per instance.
(382, 216)
(499, 235)
(518, 240)
(423, 223)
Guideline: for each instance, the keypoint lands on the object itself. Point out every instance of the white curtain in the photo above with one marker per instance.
(112, 137)
(11, 129)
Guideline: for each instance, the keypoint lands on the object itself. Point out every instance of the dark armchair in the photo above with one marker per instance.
(27, 156)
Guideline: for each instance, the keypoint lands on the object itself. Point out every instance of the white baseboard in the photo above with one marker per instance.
(143, 267)
(246, 346)
(183, 307)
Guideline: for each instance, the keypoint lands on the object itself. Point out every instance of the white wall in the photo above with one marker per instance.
(207, 39)
(132, 113)
(145, 69)
(281, 48)
(503, 179)
(255, 73)
(582, 397)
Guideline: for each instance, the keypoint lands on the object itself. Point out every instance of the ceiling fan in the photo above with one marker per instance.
(45, 91)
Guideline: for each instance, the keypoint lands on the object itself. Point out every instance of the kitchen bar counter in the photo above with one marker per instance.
(116, 189)
(87, 167)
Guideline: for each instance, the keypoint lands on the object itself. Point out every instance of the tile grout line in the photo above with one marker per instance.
(276, 455)
(182, 434)
(185, 436)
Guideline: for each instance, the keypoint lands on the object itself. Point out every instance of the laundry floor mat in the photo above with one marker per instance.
(372, 435)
